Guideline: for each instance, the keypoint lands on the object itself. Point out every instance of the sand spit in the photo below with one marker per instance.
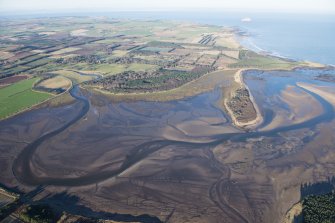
(238, 78)
(293, 213)
(325, 92)
(300, 107)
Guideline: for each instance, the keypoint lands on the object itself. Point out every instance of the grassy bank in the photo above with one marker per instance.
(19, 96)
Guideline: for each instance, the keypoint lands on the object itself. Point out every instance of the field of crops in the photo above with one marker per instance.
(250, 59)
(19, 96)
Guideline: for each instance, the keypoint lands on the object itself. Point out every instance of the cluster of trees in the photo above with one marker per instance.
(119, 80)
(128, 60)
(161, 79)
(207, 39)
(131, 59)
(167, 79)
(8, 209)
(319, 208)
(91, 59)
(239, 102)
(38, 213)
(97, 59)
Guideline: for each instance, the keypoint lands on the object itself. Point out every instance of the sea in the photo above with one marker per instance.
(308, 37)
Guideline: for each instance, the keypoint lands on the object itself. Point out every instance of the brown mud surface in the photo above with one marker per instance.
(182, 161)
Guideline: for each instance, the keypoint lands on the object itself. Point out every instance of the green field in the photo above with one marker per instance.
(250, 59)
(19, 96)
(264, 63)
(156, 49)
(111, 69)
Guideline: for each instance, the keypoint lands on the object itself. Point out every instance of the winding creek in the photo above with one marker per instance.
(24, 173)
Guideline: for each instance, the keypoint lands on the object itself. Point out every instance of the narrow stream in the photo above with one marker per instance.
(23, 171)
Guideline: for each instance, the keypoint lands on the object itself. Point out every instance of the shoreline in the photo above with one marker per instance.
(293, 212)
(238, 78)
(248, 42)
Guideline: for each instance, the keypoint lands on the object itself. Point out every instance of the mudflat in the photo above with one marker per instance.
(139, 137)
(141, 158)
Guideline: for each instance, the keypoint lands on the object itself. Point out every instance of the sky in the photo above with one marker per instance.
(292, 6)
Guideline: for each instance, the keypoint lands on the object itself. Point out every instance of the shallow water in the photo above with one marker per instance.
(266, 86)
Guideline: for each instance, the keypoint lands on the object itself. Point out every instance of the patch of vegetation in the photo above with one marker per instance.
(163, 44)
(73, 75)
(46, 68)
(140, 67)
(319, 208)
(153, 82)
(12, 71)
(38, 213)
(156, 49)
(19, 96)
(40, 62)
(241, 105)
(100, 64)
(249, 59)
(53, 84)
(8, 209)
(142, 31)
(130, 81)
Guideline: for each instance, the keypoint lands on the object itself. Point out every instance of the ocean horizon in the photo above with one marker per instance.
(303, 37)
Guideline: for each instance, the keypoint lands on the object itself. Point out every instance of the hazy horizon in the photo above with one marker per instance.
(77, 6)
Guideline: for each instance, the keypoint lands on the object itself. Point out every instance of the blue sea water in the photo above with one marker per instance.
(301, 37)
(297, 36)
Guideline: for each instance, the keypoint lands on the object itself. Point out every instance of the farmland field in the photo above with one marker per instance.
(19, 96)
